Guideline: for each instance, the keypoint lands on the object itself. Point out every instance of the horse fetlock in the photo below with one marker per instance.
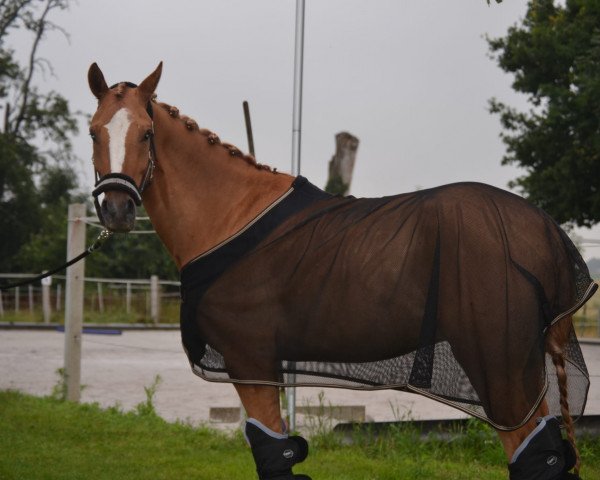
(543, 455)
(275, 453)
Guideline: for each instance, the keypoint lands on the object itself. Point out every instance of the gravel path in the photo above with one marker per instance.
(115, 369)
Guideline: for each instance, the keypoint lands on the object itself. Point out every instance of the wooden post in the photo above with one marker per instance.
(100, 298)
(74, 301)
(1, 306)
(46, 309)
(30, 298)
(128, 297)
(154, 299)
(249, 128)
(17, 298)
(341, 165)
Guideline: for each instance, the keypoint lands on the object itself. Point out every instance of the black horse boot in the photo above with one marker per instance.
(275, 453)
(543, 455)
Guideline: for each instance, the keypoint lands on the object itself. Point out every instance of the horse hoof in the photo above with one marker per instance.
(274, 453)
(302, 448)
(543, 455)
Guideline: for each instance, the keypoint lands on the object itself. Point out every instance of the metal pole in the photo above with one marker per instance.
(74, 302)
(298, 70)
(296, 143)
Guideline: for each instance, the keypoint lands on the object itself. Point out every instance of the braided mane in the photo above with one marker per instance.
(211, 137)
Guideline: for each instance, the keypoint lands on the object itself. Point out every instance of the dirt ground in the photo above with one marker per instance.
(116, 368)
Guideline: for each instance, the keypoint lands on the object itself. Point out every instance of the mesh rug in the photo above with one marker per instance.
(446, 292)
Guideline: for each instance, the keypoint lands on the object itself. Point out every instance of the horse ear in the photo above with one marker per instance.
(96, 80)
(149, 84)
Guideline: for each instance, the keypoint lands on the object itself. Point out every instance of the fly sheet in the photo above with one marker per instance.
(446, 292)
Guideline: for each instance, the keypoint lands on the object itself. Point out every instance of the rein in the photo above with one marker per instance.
(122, 182)
(103, 237)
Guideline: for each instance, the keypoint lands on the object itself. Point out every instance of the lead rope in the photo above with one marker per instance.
(102, 238)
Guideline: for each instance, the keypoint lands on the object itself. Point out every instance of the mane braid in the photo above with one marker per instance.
(211, 137)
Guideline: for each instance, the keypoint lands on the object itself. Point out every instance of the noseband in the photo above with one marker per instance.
(122, 182)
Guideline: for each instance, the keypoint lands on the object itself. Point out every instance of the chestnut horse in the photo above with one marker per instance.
(222, 216)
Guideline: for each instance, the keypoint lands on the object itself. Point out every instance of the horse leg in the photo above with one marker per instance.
(261, 402)
(537, 450)
(274, 451)
(512, 439)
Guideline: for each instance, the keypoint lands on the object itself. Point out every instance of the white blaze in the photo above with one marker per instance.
(117, 131)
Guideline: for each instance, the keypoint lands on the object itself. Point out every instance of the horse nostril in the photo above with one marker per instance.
(130, 206)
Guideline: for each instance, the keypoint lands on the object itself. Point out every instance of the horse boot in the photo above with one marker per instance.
(275, 453)
(543, 455)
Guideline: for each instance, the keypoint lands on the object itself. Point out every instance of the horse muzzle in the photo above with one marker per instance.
(121, 195)
(118, 212)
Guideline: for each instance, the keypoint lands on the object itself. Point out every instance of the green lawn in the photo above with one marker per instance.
(42, 438)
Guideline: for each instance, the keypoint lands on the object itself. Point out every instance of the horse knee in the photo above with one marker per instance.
(543, 455)
(275, 453)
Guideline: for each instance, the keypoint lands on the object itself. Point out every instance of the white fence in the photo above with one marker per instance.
(129, 300)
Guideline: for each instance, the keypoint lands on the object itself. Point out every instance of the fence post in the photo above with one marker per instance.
(58, 296)
(128, 297)
(17, 298)
(1, 306)
(100, 298)
(154, 298)
(30, 298)
(74, 301)
(46, 309)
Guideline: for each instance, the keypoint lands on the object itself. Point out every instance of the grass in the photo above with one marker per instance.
(169, 313)
(43, 438)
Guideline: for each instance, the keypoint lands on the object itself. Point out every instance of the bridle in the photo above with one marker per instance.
(122, 182)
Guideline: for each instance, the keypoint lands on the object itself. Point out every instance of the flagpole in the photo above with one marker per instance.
(296, 143)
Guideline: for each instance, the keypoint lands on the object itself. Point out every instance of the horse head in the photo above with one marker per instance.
(122, 132)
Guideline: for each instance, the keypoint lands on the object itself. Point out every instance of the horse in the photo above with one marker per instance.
(462, 293)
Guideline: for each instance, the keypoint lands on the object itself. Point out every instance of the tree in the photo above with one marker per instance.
(554, 55)
(36, 181)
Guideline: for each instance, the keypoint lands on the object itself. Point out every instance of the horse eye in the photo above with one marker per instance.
(148, 134)
(93, 135)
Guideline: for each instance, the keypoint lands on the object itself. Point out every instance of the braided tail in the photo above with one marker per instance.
(558, 358)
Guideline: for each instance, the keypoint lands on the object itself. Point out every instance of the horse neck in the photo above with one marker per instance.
(200, 194)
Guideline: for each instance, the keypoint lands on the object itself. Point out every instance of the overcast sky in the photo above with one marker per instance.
(410, 78)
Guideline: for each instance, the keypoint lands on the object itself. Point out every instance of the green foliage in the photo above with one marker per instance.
(131, 256)
(146, 408)
(42, 438)
(36, 179)
(554, 56)
(37, 182)
(59, 390)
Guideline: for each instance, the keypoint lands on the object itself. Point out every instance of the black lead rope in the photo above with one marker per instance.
(102, 238)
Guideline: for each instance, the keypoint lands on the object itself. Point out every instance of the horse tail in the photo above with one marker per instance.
(557, 338)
